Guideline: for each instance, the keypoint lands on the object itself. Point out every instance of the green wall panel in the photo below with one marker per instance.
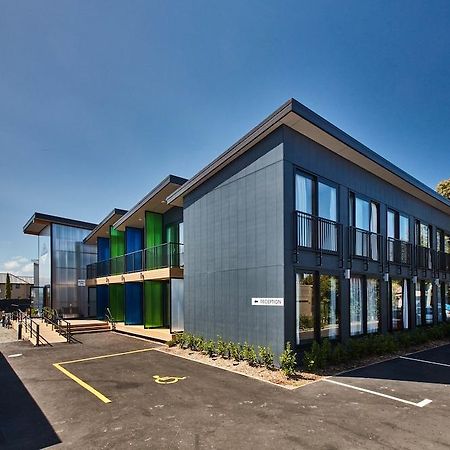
(117, 242)
(172, 234)
(117, 301)
(155, 304)
(153, 229)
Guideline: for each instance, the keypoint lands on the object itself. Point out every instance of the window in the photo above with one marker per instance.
(428, 301)
(423, 241)
(419, 320)
(439, 289)
(447, 301)
(364, 218)
(329, 312)
(398, 236)
(356, 306)
(315, 200)
(305, 307)
(399, 304)
(317, 307)
(373, 305)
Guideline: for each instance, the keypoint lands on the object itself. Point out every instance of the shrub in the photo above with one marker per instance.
(222, 348)
(172, 343)
(235, 351)
(252, 357)
(311, 359)
(245, 351)
(265, 357)
(209, 347)
(288, 361)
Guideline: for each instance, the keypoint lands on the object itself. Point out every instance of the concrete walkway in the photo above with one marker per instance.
(7, 335)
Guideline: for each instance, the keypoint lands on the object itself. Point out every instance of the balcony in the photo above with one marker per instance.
(399, 252)
(317, 234)
(161, 256)
(442, 261)
(365, 245)
(424, 259)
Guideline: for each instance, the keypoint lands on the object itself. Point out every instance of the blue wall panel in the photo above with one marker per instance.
(102, 249)
(102, 301)
(133, 304)
(134, 241)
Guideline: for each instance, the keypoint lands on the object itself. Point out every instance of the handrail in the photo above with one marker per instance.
(29, 322)
(62, 326)
(109, 318)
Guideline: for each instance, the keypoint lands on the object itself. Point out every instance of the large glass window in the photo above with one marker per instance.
(364, 217)
(303, 194)
(447, 301)
(373, 305)
(305, 307)
(327, 202)
(329, 312)
(428, 302)
(356, 306)
(419, 320)
(397, 305)
(439, 289)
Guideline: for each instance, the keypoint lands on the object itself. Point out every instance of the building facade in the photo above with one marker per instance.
(21, 286)
(62, 261)
(138, 276)
(298, 232)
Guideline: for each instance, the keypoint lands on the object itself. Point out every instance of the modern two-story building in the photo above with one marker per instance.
(299, 232)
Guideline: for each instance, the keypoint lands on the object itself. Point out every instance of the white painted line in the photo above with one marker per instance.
(419, 405)
(15, 355)
(425, 361)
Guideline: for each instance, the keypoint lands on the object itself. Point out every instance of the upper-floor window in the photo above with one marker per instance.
(316, 207)
(423, 241)
(398, 236)
(364, 218)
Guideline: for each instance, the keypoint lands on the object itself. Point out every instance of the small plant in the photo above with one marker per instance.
(288, 361)
(245, 351)
(252, 357)
(171, 343)
(266, 357)
(209, 348)
(222, 348)
(235, 352)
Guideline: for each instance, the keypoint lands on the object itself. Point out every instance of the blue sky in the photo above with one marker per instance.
(171, 84)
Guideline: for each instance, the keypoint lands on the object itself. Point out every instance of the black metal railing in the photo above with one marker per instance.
(442, 261)
(317, 233)
(399, 252)
(161, 256)
(58, 324)
(424, 257)
(365, 244)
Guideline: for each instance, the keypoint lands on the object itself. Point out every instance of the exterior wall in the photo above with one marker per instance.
(18, 291)
(234, 236)
(304, 154)
(68, 265)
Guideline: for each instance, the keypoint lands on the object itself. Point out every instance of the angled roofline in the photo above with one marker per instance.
(47, 218)
(166, 181)
(115, 211)
(275, 120)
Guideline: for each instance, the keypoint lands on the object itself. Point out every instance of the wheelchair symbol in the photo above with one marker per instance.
(167, 380)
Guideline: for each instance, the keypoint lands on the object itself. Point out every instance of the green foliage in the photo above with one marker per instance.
(324, 354)
(443, 188)
(222, 348)
(288, 361)
(8, 287)
(252, 357)
(266, 357)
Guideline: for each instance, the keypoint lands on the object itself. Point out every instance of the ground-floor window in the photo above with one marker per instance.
(373, 305)
(418, 298)
(399, 304)
(305, 307)
(317, 306)
(329, 308)
(447, 301)
(439, 289)
(356, 306)
(428, 302)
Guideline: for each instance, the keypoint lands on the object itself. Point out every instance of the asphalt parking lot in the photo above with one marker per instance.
(135, 396)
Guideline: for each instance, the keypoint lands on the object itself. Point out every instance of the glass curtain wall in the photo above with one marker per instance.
(69, 260)
(43, 293)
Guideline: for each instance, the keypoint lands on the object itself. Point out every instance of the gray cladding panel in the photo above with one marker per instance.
(234, 250)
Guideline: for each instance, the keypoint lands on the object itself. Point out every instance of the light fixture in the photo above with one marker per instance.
(347, 274)
(386, 277)
(414, 279)
(437, 282)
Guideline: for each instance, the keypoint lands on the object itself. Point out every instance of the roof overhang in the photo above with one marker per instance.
(300, 118)
(39, 221)
(154, 201)
(102, 229)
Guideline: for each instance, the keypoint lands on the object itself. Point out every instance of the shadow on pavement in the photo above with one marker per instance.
(400, 369)
(22, 423)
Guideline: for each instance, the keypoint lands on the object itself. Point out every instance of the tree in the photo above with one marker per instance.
(443, 188)
(8, 287)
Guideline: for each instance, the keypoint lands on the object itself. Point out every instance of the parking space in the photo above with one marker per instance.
(157, 400)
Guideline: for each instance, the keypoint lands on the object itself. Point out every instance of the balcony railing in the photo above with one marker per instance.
(442, 261)
(365, 244)
(158, 257)
(424, 258)
(399, 252)
(317, 233)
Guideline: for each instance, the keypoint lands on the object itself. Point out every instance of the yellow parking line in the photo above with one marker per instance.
(107, 356)
(82, 383)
